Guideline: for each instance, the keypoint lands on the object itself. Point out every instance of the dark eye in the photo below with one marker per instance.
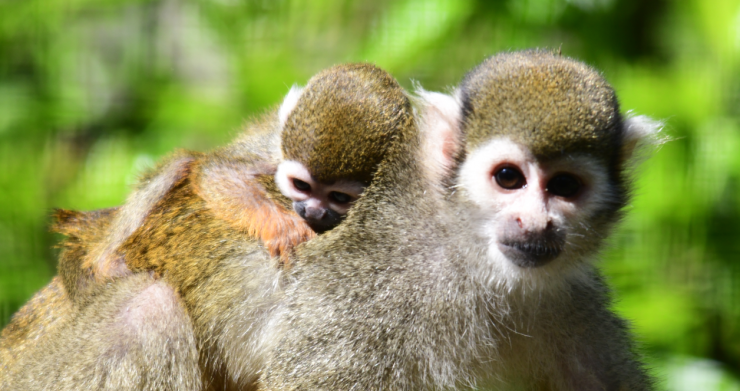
(300, 185)
(340, 198)
(510, 178)
(563, 185)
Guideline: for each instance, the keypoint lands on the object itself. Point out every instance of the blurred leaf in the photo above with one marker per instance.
(410, 26)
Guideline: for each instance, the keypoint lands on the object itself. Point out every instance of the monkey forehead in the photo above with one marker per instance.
(550, 103)
(344, 121)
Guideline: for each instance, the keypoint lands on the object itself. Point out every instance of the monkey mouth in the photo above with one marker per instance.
(534, 251)
(326, 223)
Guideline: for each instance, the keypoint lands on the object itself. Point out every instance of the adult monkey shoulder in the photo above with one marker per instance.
(98, 288)
(49, 307)
(347, 119)
(125, 327)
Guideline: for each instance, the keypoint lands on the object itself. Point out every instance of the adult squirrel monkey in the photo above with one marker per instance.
(546, 174)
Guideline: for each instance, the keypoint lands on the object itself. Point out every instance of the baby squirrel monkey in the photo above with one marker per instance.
(185, 222)
(322, 168)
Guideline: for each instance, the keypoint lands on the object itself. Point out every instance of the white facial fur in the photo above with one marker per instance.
(531, 207)
(319, 194)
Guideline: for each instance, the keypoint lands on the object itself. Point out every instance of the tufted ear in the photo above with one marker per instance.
(289, 103)
(441, 129)
(639, 132)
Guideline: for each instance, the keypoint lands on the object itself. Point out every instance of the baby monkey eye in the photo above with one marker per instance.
(564, 185)
(340, 198)
(510, 178)
(301, 185)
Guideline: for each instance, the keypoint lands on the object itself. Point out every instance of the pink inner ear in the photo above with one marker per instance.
(441, 130)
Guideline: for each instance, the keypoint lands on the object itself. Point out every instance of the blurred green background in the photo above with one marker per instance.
(94, 91)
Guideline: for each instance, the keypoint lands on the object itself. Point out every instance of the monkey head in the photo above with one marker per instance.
(335, 131)
(544, 158)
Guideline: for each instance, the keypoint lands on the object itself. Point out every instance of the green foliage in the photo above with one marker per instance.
(93, 92)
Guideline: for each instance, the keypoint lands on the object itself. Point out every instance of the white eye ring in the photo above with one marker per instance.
(289, 170)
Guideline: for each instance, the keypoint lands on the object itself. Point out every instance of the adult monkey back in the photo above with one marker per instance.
(495, 286)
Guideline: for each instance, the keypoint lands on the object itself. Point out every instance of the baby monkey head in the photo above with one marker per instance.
(546, 151)
(335, 132)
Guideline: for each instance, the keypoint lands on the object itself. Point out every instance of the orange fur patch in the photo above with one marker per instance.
(232, 192)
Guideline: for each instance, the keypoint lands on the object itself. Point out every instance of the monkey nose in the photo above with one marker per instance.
(314, 213)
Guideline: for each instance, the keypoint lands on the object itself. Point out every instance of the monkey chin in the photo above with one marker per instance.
(531, 253)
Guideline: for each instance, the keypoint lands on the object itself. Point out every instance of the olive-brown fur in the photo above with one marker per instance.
(59, 300)
(84, 230)
(344, 121)
(553, 104)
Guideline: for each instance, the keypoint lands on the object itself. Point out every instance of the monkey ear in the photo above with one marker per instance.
(289, 103)
(640, 132)
(441, 129)
(153, 189)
